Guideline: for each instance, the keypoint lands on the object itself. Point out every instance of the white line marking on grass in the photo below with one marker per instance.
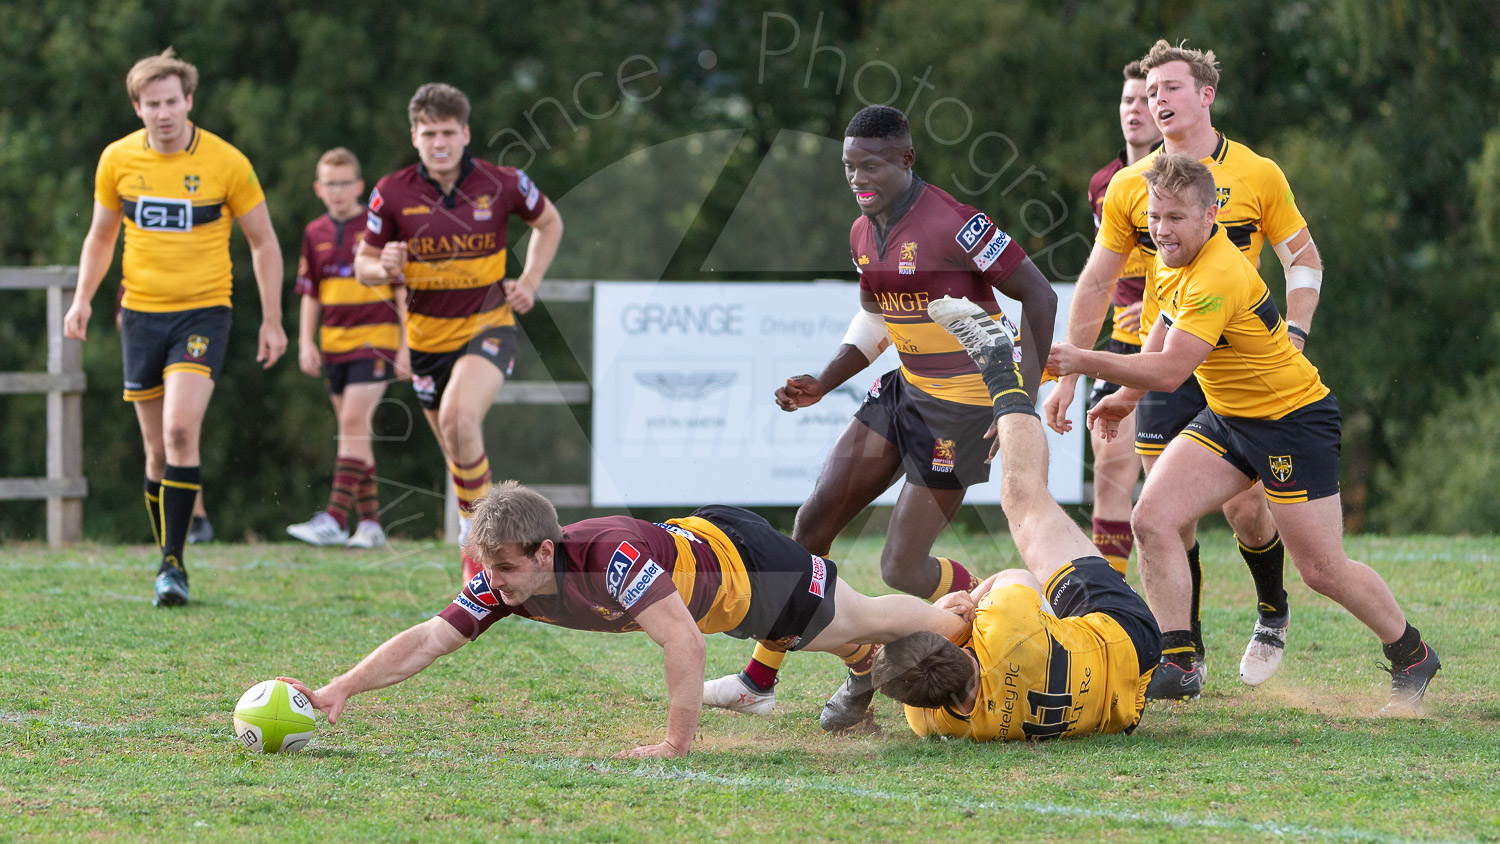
(662, 771)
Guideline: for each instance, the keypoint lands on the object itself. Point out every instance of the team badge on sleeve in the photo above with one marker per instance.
(640, 584)
(968, 236)
(483, 598)
(525, 187)
(624, 557)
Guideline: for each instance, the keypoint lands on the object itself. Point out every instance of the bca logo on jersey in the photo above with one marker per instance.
(968, 236)
(620, 562)
(197, 346)
(1281, 467)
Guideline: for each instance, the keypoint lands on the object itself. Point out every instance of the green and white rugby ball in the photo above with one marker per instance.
(273, 717)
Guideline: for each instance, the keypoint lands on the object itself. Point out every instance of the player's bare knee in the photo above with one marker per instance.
(906, 575)
(179, 437)
(1323, 575)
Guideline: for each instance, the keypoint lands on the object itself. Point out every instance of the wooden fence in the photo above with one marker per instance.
(64, 486)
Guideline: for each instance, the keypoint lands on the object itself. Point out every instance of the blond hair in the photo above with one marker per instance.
(1183, 176)
(437, 101)
(1203, 64)
(1132, 71)
(511, 514)
(152, 68)
(340, 157)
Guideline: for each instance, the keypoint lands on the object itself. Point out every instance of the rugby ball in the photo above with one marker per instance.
(273, 717)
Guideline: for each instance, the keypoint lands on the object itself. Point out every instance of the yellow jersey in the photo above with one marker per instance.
(1253, 371)
(1256, 204)
(1042, 676)
(178, 211)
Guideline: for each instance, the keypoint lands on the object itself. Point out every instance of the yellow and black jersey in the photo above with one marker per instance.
(178, 210)
(1042, 676)
(1256, 204)
(1253, 371)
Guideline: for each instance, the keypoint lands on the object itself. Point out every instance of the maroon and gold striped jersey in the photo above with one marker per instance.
(933, 246)
(610, 569)
(455, 246)
(358, 321)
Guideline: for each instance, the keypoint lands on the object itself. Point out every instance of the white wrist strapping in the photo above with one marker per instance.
(1300, 277)
(867, 333)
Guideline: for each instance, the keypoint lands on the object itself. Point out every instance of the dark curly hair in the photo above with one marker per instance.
(879, 122)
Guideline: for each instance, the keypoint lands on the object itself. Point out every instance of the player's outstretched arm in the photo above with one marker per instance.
(400, 657)
(265, 257)
(93, 262)
(670, 625)
(1091, 298)
(866, 339)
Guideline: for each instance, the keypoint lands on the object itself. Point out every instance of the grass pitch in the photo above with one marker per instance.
(115, 720)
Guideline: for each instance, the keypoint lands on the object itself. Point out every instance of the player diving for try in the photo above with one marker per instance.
(719, 570)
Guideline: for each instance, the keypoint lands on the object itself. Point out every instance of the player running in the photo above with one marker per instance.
(439, 226)
(1063, 647)
(1255, 205)
(720, 570)
(1269, 417)
(351, 334)
(178, 188)
(912, 243)
(1116, 465)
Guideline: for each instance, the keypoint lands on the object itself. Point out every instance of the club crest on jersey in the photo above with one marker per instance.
(482, 208)
(909, 251)
(620, 562)
(863, 259)
(1281, 467)
(943, 451)
(197, 346)
(968, 236)
(191, 183)
(606, 613)
(1221, 196)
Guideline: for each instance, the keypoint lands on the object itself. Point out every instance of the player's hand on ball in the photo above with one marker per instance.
(331, 704)
(800, 391)
(665, 750)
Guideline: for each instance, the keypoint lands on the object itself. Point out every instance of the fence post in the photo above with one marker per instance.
(64, 422)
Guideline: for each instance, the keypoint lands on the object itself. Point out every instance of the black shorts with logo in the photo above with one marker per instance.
(791, 589)
(941, 443)
(157, 344)
(430, 371)
(372, 370)
(1102, 389)
(1161, 416)
(1296, 457)
(1090, 585)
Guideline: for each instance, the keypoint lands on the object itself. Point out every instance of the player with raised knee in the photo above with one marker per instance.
(1269, 418)
(352, 335)
(1256, 206)
(912, 243)
(720, 570)
(439, 226)
(1063, 647)
(1116, 466)
(178, 188)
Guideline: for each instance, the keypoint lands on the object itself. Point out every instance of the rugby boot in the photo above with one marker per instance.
(737, 694)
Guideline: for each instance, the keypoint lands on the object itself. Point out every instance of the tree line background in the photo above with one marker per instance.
(1383, 115)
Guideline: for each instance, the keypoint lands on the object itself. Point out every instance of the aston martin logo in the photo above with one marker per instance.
(685, 386)
(1281, 466)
